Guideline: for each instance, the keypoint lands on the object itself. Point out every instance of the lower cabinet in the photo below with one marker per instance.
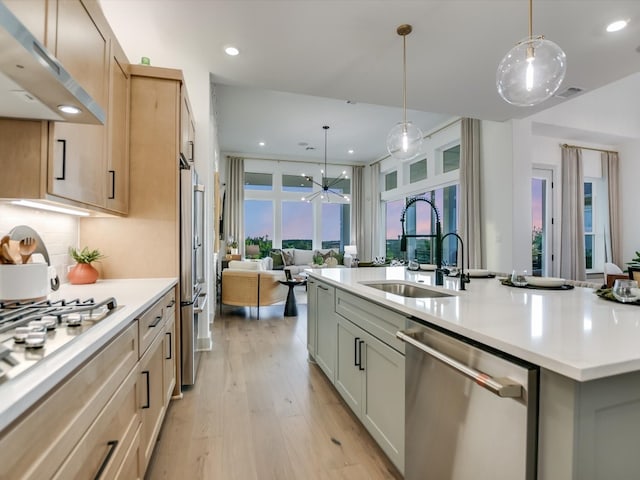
(312, 314)
(326, 324)
(370, 377)
(104, 419)
(152, 398)
(109, 442)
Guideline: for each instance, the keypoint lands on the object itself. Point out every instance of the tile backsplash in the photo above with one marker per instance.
(58, 232)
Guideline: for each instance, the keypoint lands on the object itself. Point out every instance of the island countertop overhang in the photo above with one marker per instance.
(573, 333)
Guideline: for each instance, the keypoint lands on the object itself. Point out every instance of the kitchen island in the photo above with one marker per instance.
(101, 396)
(587, 348)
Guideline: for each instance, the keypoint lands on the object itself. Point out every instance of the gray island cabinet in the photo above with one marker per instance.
(587, 349)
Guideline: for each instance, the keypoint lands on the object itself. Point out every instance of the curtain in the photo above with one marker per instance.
(358, 209)
(235, 212)
(612, 229)
(572, 259)
(374, 232)
(470, 204)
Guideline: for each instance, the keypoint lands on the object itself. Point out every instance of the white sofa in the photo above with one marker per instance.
(297, 260)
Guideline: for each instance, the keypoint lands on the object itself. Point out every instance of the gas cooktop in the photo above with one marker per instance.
(31, 330)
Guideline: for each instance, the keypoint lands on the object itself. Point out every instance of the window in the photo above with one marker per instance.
(341, 186)
(588, 225)
(258, 181)
(335, 223)
(393, 229)
(297, 225)
(418, 171)
(391, 181)
(541, 222)
(258, 224)
(451, 159)
(296, 183)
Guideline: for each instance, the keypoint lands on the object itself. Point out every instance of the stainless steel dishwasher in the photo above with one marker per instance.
(470, 412)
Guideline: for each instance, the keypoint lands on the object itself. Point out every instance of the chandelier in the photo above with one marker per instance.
(327, 184)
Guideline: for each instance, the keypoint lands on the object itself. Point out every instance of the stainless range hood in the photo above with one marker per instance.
(33, 84)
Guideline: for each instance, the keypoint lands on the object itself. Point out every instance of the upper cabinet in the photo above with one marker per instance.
(33, 14)
(187, 128)
(81, 165)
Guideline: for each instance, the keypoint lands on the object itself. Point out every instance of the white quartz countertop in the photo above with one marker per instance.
(133, 297)
(572, 332)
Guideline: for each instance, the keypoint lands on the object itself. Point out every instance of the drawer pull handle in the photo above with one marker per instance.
(155, 323)
(360, 354)
(322, 287)
(113, 184)
(146, 373)
(64, 159)
(112, 444)
(170, 350)
(355, 351)
(171, 303)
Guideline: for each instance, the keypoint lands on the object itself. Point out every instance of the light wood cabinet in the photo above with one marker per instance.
(106, 445)
(117, 174)
(69, 412)
(32, 14)
(152, 403)
(187, 128)
(79, 165)
(170, 363)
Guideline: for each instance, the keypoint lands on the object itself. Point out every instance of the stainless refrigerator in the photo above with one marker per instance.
(193, 296)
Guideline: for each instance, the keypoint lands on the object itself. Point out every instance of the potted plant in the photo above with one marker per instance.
(83, 272)
(234, 247)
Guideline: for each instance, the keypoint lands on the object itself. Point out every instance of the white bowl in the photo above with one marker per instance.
(24, 282)
(430, 267)
(545, 281)
(477, 272)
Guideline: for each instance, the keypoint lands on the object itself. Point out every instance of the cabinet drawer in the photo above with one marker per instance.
(67, 413)
(104, 447)
(378, 321)
(151, 323)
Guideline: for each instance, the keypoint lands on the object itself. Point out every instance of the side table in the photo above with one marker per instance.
(291, 308)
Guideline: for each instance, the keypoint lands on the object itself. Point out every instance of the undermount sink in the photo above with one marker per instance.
(407, 290)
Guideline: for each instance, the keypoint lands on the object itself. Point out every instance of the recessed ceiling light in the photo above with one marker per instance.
(617, 25)
(69, 109)
(261, 144)
(231, 51)
(350, 151)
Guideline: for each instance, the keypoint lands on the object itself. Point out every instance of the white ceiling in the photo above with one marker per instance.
(301, 60)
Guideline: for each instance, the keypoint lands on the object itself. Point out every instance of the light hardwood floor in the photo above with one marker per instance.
(260, 410)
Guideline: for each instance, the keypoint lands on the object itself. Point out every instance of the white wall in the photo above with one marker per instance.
(57, 231)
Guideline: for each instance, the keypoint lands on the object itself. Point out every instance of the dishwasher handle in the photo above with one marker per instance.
(503, 387)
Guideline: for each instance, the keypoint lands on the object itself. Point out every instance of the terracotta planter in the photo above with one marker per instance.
(82, 274)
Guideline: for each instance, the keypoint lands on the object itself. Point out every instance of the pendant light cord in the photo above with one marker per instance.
(530, 19)
(404, 81)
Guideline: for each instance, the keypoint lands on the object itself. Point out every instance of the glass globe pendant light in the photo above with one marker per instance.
(532, 71)
(404, 141)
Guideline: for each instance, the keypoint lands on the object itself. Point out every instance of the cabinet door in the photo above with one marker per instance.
(169, 358)
(326, 329)
(82, 48)
(187, 128)
(348, 373)
(384, 387)
(105, 446)
(32, 14)
(151, 398)
(117, 187)
(312, 313)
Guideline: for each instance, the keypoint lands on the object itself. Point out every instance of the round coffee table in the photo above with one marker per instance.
(290, 308)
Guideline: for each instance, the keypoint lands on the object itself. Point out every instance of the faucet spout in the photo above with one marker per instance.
(462, 278)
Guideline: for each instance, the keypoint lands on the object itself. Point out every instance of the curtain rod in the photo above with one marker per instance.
(566, 145)
(429, 135)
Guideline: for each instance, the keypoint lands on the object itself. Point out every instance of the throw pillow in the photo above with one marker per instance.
(331, 254)
(303, 257)
(287, 258)
(278, 262)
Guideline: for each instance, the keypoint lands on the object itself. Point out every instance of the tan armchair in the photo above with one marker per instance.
(252, 288)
